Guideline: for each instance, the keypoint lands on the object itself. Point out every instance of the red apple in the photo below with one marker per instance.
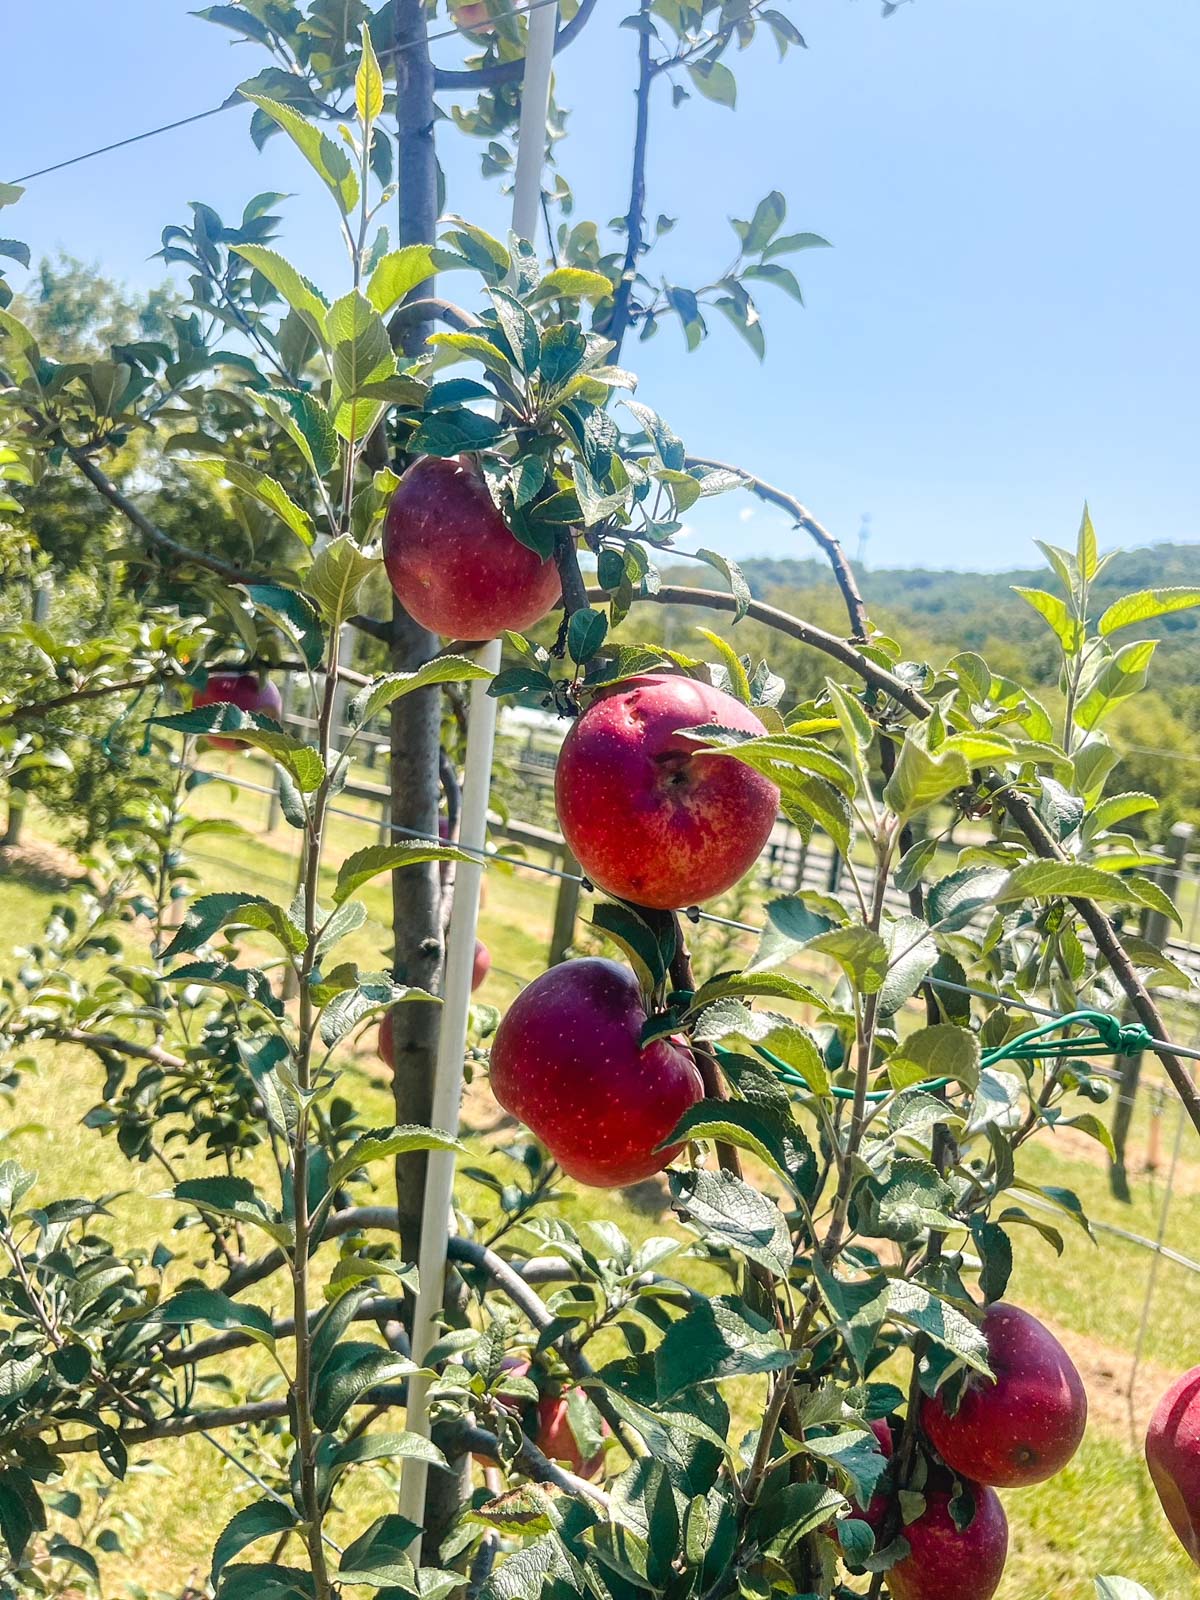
(482, 965)
(650, 818)
(944, 1564)
(567, 1061)
(242, 689)
(452, 561)
(1173, 1456)
(1027, 1425)
(550, 1427)
(472, 15)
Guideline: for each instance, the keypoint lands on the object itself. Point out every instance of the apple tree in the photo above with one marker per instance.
(840, 1110)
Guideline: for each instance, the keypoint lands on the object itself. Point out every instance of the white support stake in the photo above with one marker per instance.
(464, 916)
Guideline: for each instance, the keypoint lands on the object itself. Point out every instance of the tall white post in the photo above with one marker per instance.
(460, 944)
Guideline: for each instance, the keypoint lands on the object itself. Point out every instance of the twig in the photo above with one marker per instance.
(536, 1465)
(635, 216)
(503, 72)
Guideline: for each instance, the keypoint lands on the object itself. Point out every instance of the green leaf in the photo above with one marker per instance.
(734, 1122)
(768, 985)
(15, 250)
(377, 1556)
(768, 217)
(714, 81)
(735, 671)
(1086, 557)
(520, 331)
(265, 1582)
(996, 1258)
(733, 575)
(21, 1511)
(362, 360)
(585, 634)
(368, 83)
(336, 576)
(571, 283)
(307, 423)
(940, 1051)
(382, 1145)
(260, 1520)
(476, 346)
(236, 1198)
(300, 761)
(266, 490)
(377, 696)
(1144, 605)
(956, 899)
(397, 274)
(10, 193)
(1042, 880)
(1117, 808)
(1120, 1589)
(370, 993)
(646, 937)
(330, 162)
(293, 615)
(449, 433)
(910, 1303)
(1122, 675)
(913, 1200)
(389, 1447)
(717, 1339)
(861, 954)
(789, 243)
(368, 863)
(305, 299)
(721, 1207)
(912, 955)
(1068, 629)
(791, 924)
(921, 779)
(358, 1367)
(211, 912)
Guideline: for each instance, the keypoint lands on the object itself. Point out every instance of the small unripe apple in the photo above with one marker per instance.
(944, 1564)
(1173, 1456)
(568, 1061)
(650, 817)
(455, 566)
(1027, 1425)
(242, 689)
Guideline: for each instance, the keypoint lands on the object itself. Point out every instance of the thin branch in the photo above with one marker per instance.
(504, 72)
(429, 308)
(566, 557)
(122, 1047)
(177, 1427)
(162, 541)
(635, 216)
(535, 1465)
(842, 570)
(39, 708)
(1018, 806)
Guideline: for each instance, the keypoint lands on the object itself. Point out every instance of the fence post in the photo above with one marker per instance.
(566, 909)
(1155, 930)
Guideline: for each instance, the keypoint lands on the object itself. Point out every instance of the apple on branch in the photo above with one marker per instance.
(650, 815)
(1024, 1427)
(247, 691)
(453, 563)
(568, 1060)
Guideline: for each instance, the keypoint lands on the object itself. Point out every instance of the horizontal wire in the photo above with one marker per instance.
(486, 857)
(232, 103)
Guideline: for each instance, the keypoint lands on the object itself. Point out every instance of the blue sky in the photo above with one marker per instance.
(1007, 322)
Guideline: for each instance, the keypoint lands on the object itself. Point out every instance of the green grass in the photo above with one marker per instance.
(1098, 1516)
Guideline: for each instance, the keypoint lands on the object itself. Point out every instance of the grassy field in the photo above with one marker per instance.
(1099, 1516)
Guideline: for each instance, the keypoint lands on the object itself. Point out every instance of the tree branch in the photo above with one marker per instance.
(504, 72)
(426, 309)
(108, 490)
(842, 571)
(537, 1466)
(1107, 940)
(635, 216)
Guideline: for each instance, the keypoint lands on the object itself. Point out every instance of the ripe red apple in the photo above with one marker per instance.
(242, 689)
(549, 1426)
(567, 1061)
(453, 563)
(944, 1564)
(650, 818)
(1027, 1425)
(1173, 1456)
